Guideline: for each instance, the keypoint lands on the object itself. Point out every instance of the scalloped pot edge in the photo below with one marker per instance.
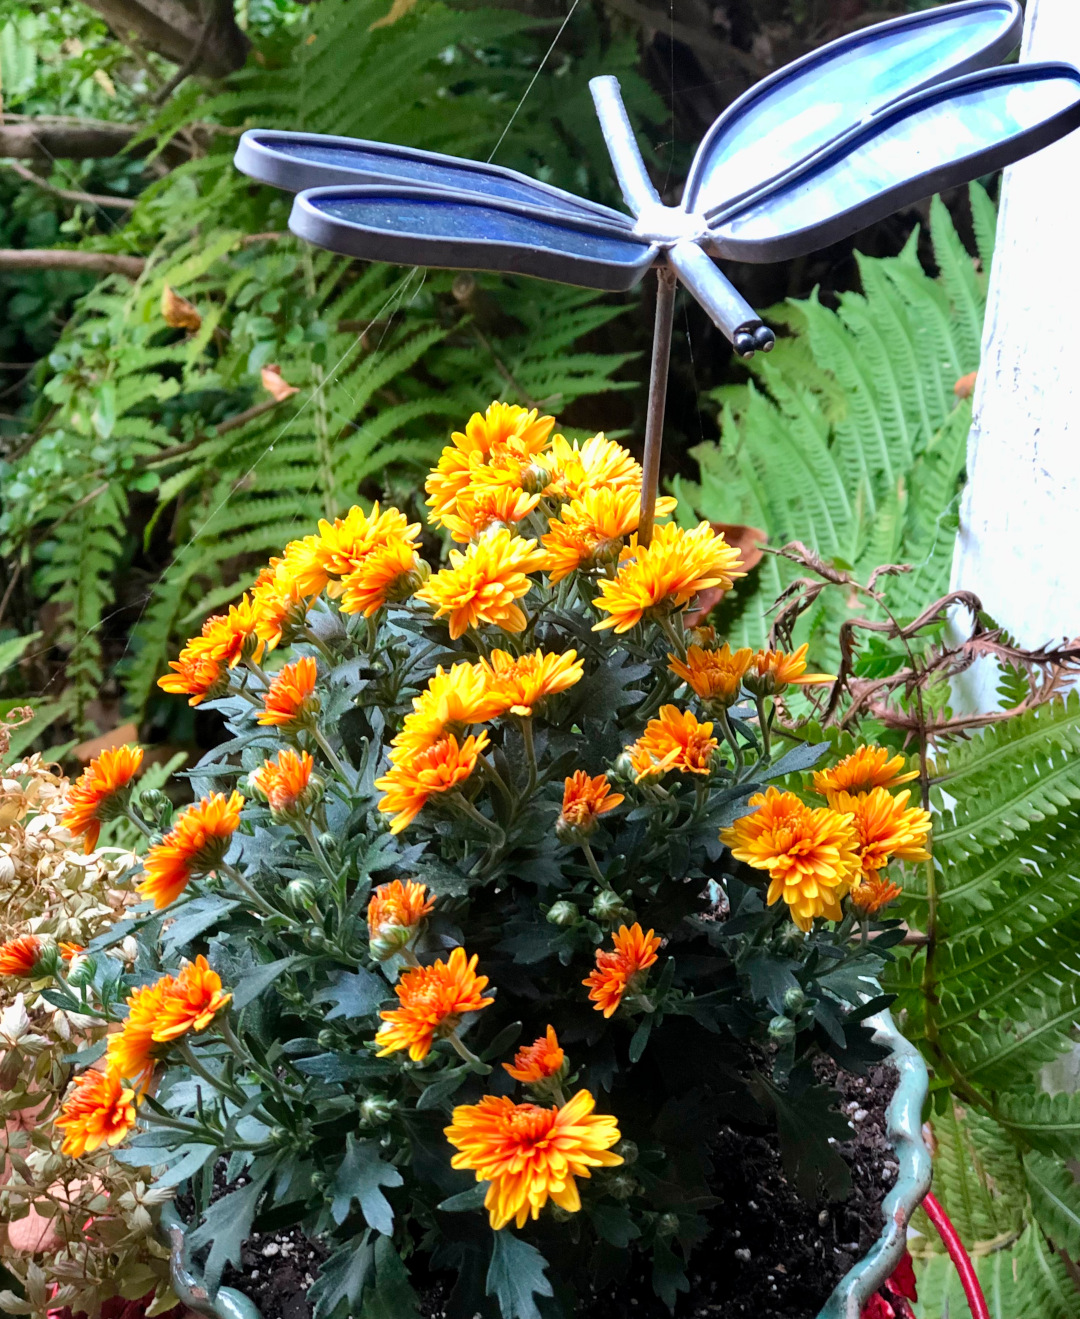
(904, 1129)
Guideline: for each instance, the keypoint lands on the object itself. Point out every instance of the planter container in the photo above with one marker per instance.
(904, 1127)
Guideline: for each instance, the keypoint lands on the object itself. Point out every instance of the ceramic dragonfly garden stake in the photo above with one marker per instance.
(823, 147)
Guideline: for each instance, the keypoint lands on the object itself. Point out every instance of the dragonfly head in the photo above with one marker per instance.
(668, 225)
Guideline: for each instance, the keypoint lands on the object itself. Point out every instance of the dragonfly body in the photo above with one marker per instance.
(818, 150)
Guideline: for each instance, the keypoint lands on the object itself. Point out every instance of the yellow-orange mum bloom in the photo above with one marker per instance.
(674, 740)
(440, 768)
(195, 844)
(99, 1111)
(482, 585)
(811, 855)
(666, 574)
(386, 576)
(521, 682)
(318, 562)
(290, 698)
(530, 1154)
(714, 675)
(771, 671)
(230, 637)
(598, 463)
(198, 677)
(885, 826)
(867, 767)
(591, 529)
(622, 969)
(584, 800)
(285, 782)
(18, 957)
(398, 905)
(479, 507)
(433, 1001)
(97, 794)
(190, 1002)
(874, 894)
(505, 432)
(130, 1053)
(454, 700)
(538, 1061)
(280, 606)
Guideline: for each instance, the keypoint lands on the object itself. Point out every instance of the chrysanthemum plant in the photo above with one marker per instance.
(502, 893)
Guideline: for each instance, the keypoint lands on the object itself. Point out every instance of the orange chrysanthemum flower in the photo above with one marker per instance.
(433, 1001)
(454, 700)
(194, 846)
(281, 608)
(230, 637)
(590, 531)
(674, 740)
(479, 507)
(505, 435)
(98, 794)
(885, 826)
(714, 675)
(18, 957)
(811, 855)
(286, 783)
(440, 768)
(99, 1111)
(867, 767)
(386, 576)
(539, 1061)
(320, 561)
(199, 677)
(666, 574)
(874, 894)
(773, 670)
(190, 1002)
(584, 800)
(622, 970)
(482, 585)
(290, 699)
(520, 683)
(131, 1052)
(398, 905)
(599, 463)
(70, 950)
(530, 1154)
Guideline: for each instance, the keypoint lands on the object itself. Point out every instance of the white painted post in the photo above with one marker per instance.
(1020, 517)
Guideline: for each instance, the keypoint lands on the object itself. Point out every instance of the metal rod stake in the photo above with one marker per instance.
(666, 281)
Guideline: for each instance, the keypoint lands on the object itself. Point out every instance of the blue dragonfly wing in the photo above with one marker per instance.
(937, 139)
(799, 109)
(454, 231)
(299, 161)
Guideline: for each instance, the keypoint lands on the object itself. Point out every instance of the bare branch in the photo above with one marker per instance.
(63, 258)
(176, 28)
(69, 194)
(48, 139)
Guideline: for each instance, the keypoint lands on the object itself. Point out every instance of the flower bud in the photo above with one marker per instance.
(794, 1000)
(377, 1110)
(316, 938)
(81, 971)
(278, 1136)
(7, 868)
(667, 1225)
(301, 893)
(622, 1186)
(628, 1151)
(608, 908)
(327, 1039)
(328, 842)
(622, 771)
(129, 947)
(535, 479)
(782, 1030)
(154, 803)
(563, 913)
(791, 936)
(389, 939)
(49, 961)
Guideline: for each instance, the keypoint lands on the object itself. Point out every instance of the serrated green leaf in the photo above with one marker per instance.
(515, 1275)
(359, 1178)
